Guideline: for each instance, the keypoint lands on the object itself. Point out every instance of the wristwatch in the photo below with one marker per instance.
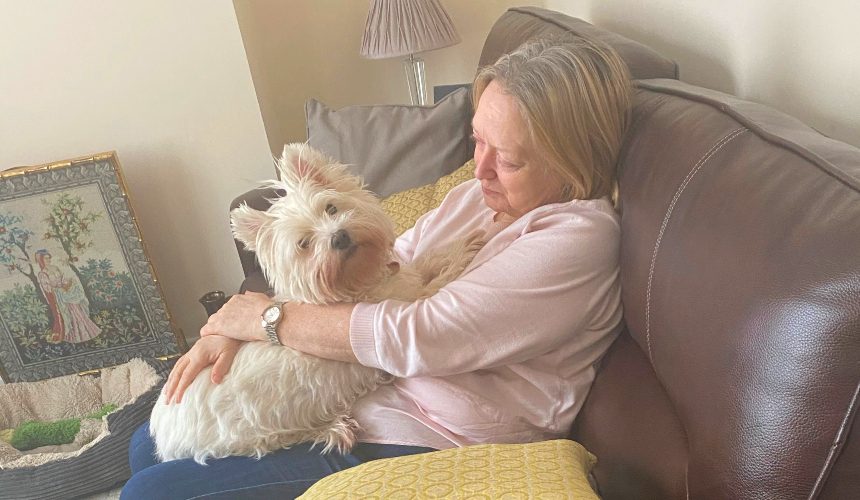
(271, 317)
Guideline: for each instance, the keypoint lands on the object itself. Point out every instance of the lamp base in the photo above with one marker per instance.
(415, 80)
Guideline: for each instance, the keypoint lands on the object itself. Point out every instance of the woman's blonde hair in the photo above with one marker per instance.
(574, 94)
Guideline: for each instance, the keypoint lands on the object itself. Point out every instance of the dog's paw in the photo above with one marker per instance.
(443, 265)
(462, 252)
(383, 378)
(474, 243)
(340, 435)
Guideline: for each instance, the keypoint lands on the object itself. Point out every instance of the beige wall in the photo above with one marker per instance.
(166, 84)
(303, 49)
(799, 56)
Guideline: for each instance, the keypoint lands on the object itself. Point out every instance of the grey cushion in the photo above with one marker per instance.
(395, 147)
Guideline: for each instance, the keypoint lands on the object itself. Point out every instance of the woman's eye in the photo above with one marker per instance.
(304, 243)
(330, 209)
(509, 164)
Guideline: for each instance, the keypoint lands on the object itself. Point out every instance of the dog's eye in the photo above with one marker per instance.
(330, 209)
(304, 243)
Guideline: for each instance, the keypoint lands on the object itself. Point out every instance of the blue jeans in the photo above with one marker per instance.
(284, 474)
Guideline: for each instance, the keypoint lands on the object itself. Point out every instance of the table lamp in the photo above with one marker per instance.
(405, 27)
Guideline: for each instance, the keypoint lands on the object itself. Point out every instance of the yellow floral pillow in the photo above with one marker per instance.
(549, 470)
(406, 207)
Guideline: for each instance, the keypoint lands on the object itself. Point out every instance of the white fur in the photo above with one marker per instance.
(274, 397)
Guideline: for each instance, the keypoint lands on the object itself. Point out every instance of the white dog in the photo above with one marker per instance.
(326, 240)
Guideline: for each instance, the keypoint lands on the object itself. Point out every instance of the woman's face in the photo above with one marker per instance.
(512, 178)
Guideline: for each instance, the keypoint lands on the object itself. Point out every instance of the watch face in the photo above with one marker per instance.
(272, 314)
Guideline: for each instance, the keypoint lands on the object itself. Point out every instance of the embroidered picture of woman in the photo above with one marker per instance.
(77, 290)
(66, 290)
(67, 301)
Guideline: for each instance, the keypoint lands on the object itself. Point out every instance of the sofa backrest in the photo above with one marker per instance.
(739, 374)
(519, 24)
(741, 290)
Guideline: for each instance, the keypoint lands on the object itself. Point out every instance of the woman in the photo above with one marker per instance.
(504, 354)
(68, 302)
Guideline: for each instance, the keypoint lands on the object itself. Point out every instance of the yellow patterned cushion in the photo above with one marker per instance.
(550, 470)
(406, 207)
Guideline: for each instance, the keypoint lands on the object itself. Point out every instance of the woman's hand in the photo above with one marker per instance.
(213, 349)
(240, 318)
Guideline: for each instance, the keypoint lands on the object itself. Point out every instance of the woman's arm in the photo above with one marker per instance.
(540, 292)
(556, 285)
(321, 330)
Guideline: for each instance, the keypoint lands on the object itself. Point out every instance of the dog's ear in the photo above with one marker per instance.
(299, 161)
(246, 223)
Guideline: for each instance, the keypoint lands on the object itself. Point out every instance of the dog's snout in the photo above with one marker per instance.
(340, 240)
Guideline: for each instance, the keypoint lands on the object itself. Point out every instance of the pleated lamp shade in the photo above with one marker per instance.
(403, 27)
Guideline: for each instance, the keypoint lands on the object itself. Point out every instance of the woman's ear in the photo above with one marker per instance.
(246, 223)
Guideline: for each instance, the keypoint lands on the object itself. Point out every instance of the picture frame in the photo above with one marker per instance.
(78, 291)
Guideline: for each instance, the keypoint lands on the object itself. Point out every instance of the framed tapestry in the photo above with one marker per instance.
(77, 289)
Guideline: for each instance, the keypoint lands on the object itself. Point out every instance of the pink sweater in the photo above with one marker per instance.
(507, 352)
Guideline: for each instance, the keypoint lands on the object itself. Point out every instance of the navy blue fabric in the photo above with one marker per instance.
(284, 474)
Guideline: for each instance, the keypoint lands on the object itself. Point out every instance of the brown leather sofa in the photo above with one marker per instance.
(739, 372)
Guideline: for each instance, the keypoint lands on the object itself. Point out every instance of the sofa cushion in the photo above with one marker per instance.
(549, 469)
(629, 422)
(395, 147)
(519, 24)
(406, 207)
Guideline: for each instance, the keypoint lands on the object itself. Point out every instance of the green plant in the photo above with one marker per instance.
(22, 309)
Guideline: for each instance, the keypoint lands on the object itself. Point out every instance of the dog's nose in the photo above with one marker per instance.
(340, 240)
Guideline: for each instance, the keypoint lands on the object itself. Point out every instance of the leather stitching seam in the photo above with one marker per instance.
(836, 447)
(716, 147)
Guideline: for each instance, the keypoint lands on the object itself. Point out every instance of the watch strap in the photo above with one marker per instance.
(272, 334)
(272, 329)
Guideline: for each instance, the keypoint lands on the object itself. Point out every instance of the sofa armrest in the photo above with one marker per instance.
(256, 282)
(257, 199)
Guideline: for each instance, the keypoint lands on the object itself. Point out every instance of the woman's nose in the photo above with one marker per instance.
(484, 166)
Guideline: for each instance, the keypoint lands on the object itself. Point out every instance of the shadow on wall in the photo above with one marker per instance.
(791, 83)
(697, 68)
(184, 276)
(769, 65)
